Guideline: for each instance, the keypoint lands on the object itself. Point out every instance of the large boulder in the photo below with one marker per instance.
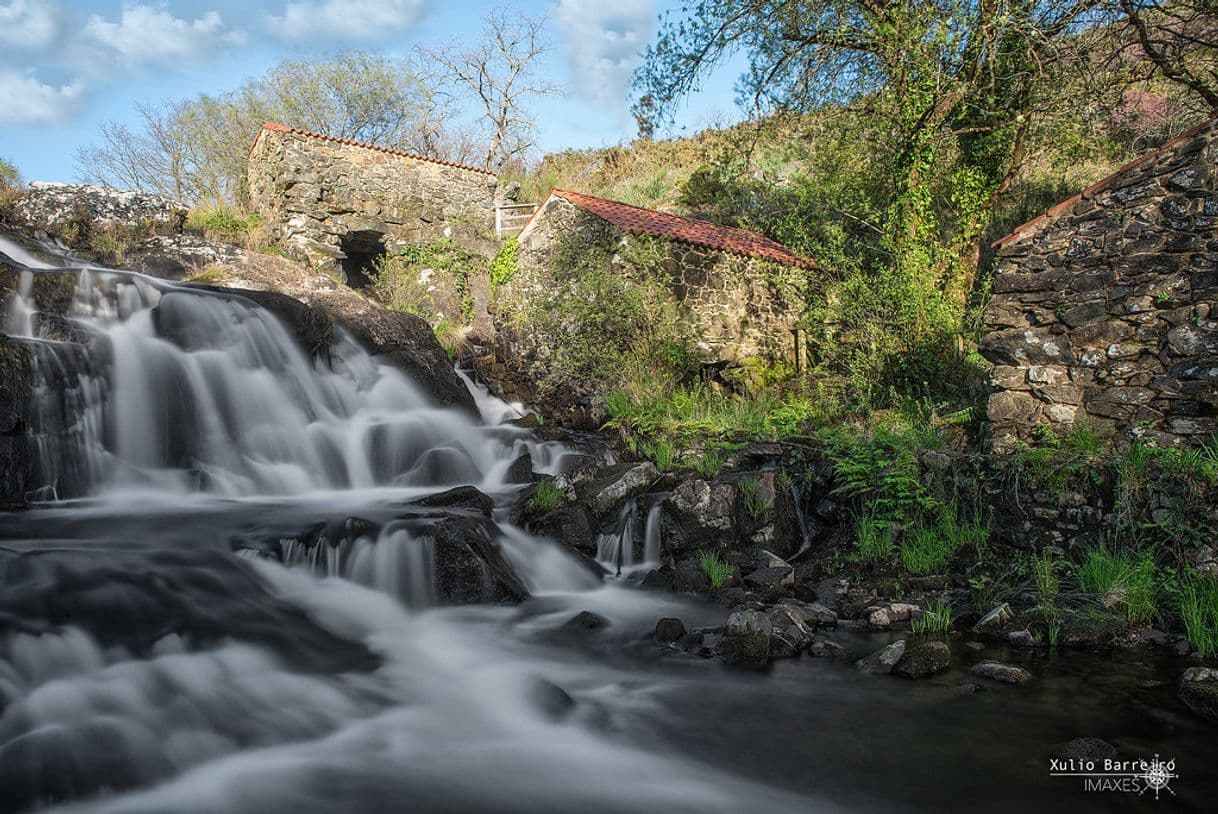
(747, 639)
(618, 484)
(1198, 690)
(924, 660)
(701, 514)
(16, 389)
(883, 661)
(997, 671)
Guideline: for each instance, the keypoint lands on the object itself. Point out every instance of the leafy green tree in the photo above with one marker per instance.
(10, 176)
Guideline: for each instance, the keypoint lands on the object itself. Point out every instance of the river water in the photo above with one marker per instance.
(172, 639)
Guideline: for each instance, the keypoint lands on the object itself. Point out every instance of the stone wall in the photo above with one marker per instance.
(737, 307)
(1106, 308)
(316, 191)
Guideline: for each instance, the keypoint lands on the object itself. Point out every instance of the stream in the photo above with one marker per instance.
(230, 595)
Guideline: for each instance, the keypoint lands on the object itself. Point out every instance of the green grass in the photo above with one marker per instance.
(937, 620)
(873, 538)
(1119, 579)
(754, 504)
(223, 222)
(928, 547)
(716, 570)
(546, 499)
(709, 464)
(208, 274)
(663, 453)
(699, 412)
(1199, 612)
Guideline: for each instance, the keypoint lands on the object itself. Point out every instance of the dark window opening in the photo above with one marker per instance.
(361, 252)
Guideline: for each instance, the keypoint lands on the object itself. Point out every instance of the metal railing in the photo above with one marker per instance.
(511, 218)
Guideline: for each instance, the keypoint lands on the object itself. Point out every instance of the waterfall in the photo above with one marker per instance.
(189, 391)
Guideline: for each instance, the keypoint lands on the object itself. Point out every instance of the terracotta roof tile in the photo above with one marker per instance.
(638, 220)
(1100, 186)
(280, 128)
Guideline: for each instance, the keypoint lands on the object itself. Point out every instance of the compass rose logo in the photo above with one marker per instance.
(1158, 777)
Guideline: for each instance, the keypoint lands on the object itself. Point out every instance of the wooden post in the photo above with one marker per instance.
(799, 351)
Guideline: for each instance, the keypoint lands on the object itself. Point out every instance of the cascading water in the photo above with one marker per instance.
(255, 605)
(236, 603)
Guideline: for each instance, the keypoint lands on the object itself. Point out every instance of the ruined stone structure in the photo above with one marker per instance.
(331, 200)
(736, 286)
(1106, 307)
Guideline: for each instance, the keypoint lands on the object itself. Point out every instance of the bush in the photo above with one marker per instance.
(10, 176)
(395, 277)
(503, 266)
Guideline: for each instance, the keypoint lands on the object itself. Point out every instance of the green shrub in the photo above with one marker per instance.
(716, 570)
(10, 176)
(546, 499)
(503, 266)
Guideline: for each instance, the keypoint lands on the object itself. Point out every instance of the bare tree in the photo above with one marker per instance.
(500, 72)
(1179, 39)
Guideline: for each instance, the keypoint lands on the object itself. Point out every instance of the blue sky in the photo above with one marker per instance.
(66, 66)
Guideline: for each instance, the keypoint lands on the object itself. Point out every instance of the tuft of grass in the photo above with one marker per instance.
(1119, 579)
(928, 547)
(545, 499)
(873, 538)
(224, 223)
(754, 503)
(1198, 597)
(709, 465)
(937, 620)
(716, 570)
(211, 273)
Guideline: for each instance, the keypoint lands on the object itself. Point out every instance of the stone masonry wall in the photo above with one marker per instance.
(313, 191)
(1106, 309)
(736, 309)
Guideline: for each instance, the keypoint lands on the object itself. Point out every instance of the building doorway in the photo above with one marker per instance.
(361, 252)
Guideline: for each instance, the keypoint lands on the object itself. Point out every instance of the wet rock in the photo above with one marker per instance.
(620, 483)
(996, 620)
(669, 630)
(468, 565)
(585, 621)
(1198, 690)
(889, 615)
(521, 469)
(701, 513)
(689, 576)
(747, 638)
(459, 497)
(792, 633)
(570, 525)
(976, 647)
(825, 649)
(1021, 638)
(997, 671)
(924, 660)
(1087, 749)
(771, 581)
(970, 688)
(883, 661)
(552, 700)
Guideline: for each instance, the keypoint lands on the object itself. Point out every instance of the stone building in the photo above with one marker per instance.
(1105, 308)
(333, 200)
(735, 286)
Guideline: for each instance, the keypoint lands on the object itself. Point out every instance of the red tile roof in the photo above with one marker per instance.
(280, 128)
(640, 221)
(1040, 221)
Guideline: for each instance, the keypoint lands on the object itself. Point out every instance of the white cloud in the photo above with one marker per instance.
(27, 25)
(25, 99)
(602, 43)
(344, 19)
(144, 34)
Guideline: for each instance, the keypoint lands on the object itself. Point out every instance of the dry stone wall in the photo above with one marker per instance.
(316, 191)
(1106, 309)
